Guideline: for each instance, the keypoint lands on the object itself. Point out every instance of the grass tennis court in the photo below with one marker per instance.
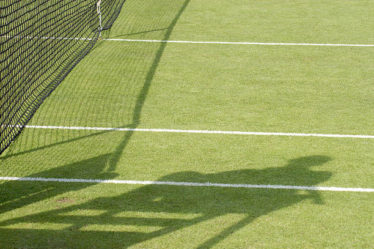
(214, 87)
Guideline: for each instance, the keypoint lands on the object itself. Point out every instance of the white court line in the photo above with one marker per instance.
(248, 133)
(246, 43)
(203, 42)
(188, 184)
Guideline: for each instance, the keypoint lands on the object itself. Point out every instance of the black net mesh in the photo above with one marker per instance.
(41, 41)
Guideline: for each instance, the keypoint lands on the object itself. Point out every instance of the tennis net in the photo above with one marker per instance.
(40, 43)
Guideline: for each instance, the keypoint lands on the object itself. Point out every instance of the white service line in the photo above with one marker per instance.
(248, 133)
(188, 184)
(245, 43)
(200, 42)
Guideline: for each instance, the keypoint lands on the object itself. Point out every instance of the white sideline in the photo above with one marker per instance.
(188, 184)
(201, 42)
(245, 43)
(248, 133)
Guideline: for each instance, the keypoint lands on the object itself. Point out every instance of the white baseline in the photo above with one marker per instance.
(247, 133)
(188, 184)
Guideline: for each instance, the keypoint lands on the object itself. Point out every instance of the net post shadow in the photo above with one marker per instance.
(141, 98)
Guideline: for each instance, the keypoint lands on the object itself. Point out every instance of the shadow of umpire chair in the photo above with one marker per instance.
(17, 194)
(101, 166)
(170, 208)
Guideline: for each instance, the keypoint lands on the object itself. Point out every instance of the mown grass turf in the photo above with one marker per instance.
(215, 87)
(101, 216)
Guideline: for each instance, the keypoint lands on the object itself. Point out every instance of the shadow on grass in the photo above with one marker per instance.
(140, 32)
(129, 217)
(140, 100)
(109, 221)
(144, 91)
(101, 167)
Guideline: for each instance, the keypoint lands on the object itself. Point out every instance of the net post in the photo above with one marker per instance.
(98, 9)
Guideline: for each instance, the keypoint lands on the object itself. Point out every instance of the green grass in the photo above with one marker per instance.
(215, 87)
